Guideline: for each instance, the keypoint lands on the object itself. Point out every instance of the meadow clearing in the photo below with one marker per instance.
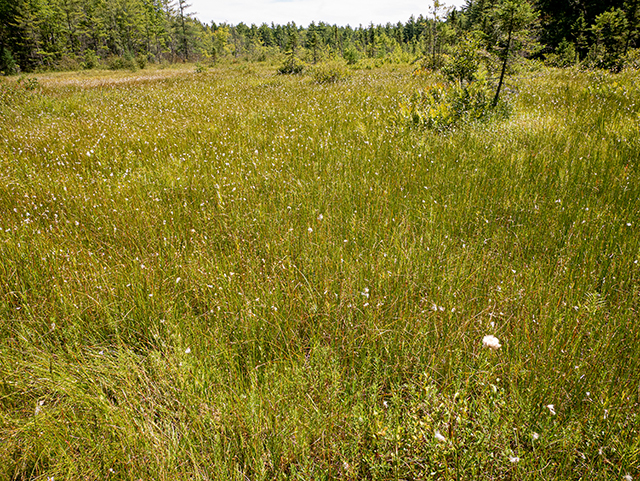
(233, 274)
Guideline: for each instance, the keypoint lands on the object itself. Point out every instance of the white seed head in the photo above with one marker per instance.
(491, 342)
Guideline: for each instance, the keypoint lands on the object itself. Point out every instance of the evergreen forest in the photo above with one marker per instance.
(41, 35)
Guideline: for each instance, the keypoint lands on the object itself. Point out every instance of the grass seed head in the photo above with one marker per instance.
(491, 342)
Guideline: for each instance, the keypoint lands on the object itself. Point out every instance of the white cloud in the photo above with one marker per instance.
(303, 12)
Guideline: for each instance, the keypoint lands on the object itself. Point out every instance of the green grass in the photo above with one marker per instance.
(238, 275)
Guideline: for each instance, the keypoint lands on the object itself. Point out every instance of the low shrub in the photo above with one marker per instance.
(445, 105)
(291, 65)
(91, 60)
(141, 61)
(125, 62)
(329, 72)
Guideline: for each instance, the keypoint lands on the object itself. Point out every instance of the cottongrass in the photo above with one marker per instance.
(491, 342)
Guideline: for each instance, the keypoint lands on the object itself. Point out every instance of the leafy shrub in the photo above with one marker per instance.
(115, 63)
(91, 60)
(291, 65)
(141, 61)
(463, 65)
(329, 72)
(68, 63)
(121, 63)
(443, 106)
(433, 62)
(632, 59)
(564, 56)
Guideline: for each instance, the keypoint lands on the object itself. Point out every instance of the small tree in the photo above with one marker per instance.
(438, 12)
(291, 63)
(632, 10)
(312, 41)
(610, 31)
(464, 62)
(8, 64)
(512, 18)
(184, 34)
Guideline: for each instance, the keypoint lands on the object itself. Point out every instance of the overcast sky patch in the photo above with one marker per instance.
(303, 12)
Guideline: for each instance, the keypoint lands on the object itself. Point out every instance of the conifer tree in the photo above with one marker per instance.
(312, 41)
(511, 18)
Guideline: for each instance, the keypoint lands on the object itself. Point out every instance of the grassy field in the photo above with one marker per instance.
(238, 275)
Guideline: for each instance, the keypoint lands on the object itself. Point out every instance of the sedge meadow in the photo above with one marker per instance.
(233, 274)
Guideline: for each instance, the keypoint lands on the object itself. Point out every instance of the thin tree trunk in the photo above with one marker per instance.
(504, 63)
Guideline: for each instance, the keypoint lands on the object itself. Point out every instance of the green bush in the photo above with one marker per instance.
(8, 65)
(632, 59)
(564, 55)
(68, 63)
(329, 72)
(115, 62)
(291, 65)
(91, 60)
(141, 60)
(127, 61)
(351, 55)
(443, 106)
(463, 65)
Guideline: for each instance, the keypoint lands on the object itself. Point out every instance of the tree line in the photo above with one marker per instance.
(74, 34)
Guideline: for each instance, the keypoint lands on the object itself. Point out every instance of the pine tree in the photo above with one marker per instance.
(312, 41)
(511, 18)
(182, 7)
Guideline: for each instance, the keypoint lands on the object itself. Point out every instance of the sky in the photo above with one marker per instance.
(303, 12)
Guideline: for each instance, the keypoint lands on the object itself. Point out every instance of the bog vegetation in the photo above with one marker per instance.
(368, 270)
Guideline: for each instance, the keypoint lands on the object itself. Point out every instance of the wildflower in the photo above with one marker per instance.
(491, 342)
(440, 437)
(551, 409)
